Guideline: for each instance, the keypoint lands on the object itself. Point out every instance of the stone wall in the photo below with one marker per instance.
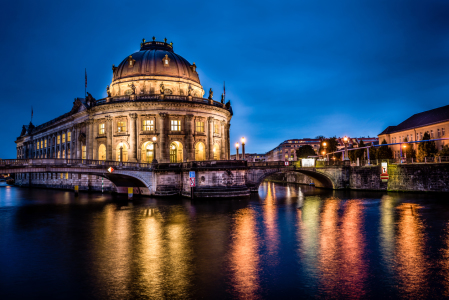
(419, 177)
(366, 178)
(290, 177)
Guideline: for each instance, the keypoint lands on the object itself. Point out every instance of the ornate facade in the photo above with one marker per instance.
(154, 107)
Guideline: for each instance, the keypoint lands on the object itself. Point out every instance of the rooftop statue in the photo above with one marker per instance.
(108, 91)
(211, 94)
(162, 88)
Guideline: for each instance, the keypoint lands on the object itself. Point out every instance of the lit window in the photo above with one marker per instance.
(101, 129)
(83, 152)
(121, 126)
(45, 143)
(42, 142)
(63, 138)
(66, 175)
(199, 126)
(175, 125)
(216, 129)
(166, 60)
(148, 125)
(69, 136)
(62, 175)
(58, 140)
(37, 145)
(442, 131)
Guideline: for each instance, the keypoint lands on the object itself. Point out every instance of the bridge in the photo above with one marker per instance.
(221, 178)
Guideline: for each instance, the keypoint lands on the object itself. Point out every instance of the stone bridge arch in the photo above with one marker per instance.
(256, 176)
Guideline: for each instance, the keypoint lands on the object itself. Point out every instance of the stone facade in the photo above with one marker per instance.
(153, 111)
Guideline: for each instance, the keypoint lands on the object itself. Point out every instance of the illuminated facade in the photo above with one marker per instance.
(154, 93)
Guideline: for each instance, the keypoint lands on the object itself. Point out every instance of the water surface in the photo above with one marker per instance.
(288, 242)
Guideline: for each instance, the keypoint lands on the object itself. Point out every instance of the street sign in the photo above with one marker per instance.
(384, 176)
(286, 163)
(130, 192)
(110, 169)
(192, 181)
(192, 174)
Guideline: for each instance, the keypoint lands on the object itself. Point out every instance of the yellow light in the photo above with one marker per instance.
(237, 145)
(243, 140)
(324, 144)
(154, 139)
(345, 138)
(404, 146)
(173, 147)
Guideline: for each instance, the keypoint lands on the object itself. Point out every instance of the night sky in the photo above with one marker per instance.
(292, 69)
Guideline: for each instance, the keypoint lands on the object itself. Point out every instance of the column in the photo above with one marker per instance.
(109, 138)
(210, 129)
(78, 142)
(223, 140)
(90, 138)
(189, 140)
(161, 148)
(132, 138)
(228, 140)
(95, 143)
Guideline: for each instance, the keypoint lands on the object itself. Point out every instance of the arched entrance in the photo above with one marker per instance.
(200, 152)
(176, 152)
(102, 152)
(147, 153)
(124, 151)
(216, 152)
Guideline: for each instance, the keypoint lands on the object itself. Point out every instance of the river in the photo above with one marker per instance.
(288, 242)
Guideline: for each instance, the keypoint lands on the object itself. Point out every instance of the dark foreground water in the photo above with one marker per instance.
(288, 242)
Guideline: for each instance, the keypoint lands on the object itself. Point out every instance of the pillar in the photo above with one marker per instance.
(90, 138)
(228, 140)
(161, 157)
(189, 141)
(109, 138)
(223, 140)
(210, 129)
(95, 143)
(132, 153)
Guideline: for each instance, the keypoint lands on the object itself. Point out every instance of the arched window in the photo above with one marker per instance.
(200, 152)
(147, 152)
(176, 153)
(102, 152)
(124, 151)
(216, 152)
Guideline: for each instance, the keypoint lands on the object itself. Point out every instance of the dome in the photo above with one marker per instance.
(155, 59)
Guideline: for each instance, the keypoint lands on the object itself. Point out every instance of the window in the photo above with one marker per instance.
(147, 125)
(438, 132)
(216, 129)
(101, 129)
(69, 136)
(58, 139)
(199, 126)
(442, 131)
(420, 135)
(61, 174)
(63, 138)
(431, 133)
(42, 142)
(121, 126)
(66, 175)
(417, 136)
(166, 60)
(45, 143)
(175, 125)
(83, 152)
(37, 145)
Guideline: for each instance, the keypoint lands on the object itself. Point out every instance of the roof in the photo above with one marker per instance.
(433, 116)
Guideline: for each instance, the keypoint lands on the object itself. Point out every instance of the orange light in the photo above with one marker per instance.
(345, 139)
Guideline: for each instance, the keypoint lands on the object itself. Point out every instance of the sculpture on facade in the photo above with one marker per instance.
(108, 91)
(190, 90)
(133, 88)
(162, 88)
(211, 94)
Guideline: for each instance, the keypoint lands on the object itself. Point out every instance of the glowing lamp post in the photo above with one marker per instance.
(237, 149)
(324, 147)
(405, 154)
(345, 140)
(154, 150)
(243, 147)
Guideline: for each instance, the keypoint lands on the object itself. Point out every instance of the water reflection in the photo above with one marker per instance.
(271, 224)
(244, 255)
(411, 262)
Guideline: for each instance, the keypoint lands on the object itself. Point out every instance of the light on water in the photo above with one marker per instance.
(289, 241)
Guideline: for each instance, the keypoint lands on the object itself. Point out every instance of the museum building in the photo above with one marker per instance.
(154, 109)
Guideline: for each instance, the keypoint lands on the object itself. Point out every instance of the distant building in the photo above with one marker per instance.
(435, 122)
(251, 157)
(286, 151)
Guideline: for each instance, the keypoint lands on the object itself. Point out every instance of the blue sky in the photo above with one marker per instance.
(292, 69)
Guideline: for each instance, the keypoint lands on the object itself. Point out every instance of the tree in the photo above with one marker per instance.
(384, 152)
(305, 151)
(426, 149)
(359, 153)
(444, 151)
(372, 153)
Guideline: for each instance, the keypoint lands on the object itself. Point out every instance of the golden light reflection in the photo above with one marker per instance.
(354, 268)
(387, 238)
(270, 215)
(410, 259)
(329, 260)
(244, 255)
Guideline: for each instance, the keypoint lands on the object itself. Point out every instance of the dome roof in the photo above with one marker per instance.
(155, 59)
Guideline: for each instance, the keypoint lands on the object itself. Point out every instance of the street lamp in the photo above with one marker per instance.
(243, 148)
(237, 149)
(154, 150)
(324, 147)
(405, 154)
(345, 140)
